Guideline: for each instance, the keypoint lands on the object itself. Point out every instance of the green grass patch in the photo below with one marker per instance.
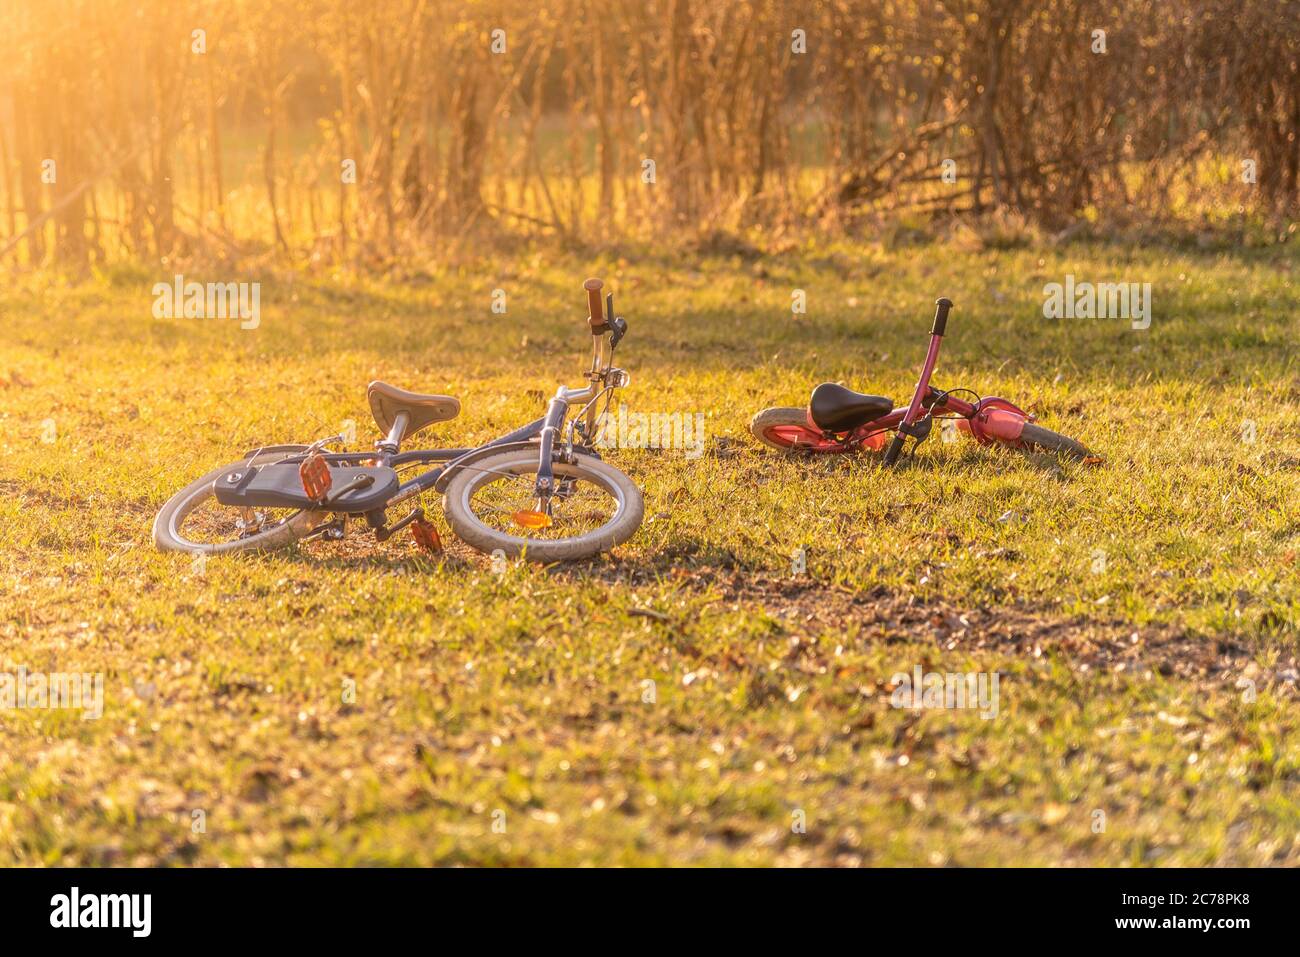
(689, 699)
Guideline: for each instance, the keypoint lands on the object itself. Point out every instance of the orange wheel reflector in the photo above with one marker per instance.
(530, 519)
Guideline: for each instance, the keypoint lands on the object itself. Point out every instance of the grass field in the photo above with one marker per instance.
(1142, 614)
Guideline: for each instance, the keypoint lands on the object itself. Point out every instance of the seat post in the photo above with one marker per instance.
(393, 441)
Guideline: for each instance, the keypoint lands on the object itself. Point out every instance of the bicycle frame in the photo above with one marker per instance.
(991, 419)
(545, 434)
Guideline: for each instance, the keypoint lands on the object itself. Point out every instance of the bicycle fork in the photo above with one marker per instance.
(916, 424)
(552, 425)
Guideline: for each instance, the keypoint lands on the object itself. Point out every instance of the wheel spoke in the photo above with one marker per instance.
(584, 506)
(211, 523)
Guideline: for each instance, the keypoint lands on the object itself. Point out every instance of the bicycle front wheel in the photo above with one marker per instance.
(492, 505)
(1035, 438)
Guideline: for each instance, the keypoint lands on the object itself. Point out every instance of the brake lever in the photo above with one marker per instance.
(321, 443)
(619, 325)
(920, 429)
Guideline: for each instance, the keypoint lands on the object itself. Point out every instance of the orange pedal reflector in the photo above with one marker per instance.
(530, 519)
(1093, 460)
(426, 536)
(316, 478)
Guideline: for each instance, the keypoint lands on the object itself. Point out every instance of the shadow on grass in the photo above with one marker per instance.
(970, 456)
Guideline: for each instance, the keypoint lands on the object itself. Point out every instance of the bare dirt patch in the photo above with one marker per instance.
(1116, 646)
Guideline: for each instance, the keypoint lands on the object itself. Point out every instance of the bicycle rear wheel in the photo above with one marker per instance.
(787, 430)
(194, 521)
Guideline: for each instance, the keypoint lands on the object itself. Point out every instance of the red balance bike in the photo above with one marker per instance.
(840, 420)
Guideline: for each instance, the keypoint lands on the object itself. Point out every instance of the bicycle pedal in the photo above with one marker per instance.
(426, 536)
(315, 476)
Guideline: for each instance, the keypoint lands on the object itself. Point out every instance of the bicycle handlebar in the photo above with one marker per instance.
(940, 316)
(595, 309)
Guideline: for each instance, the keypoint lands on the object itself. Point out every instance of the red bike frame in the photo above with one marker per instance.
(991, 419)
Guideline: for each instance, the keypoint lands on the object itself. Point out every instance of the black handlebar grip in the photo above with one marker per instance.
(940, 316)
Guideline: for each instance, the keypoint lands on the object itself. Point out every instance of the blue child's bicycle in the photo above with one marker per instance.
(541, 492)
